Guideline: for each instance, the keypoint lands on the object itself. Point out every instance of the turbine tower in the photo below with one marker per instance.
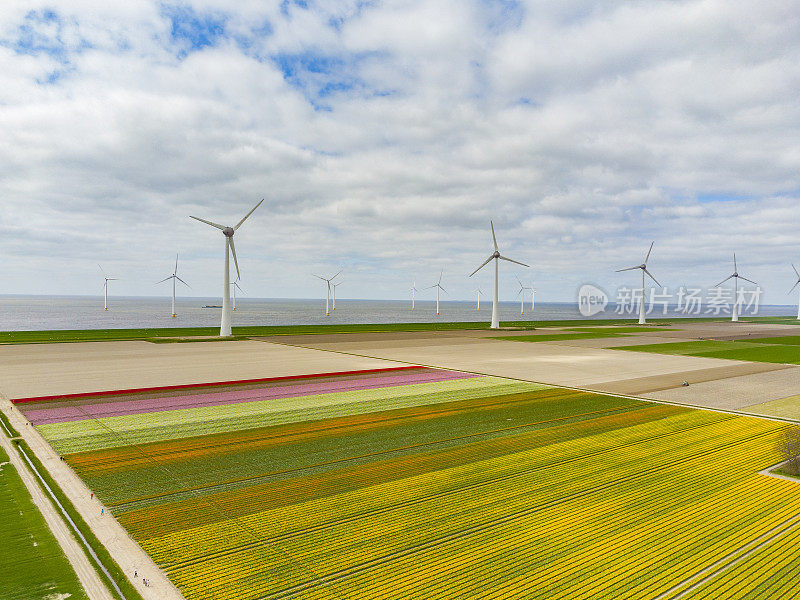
(414, 290)
(105, 287)
(479, 292)
(174, 278)
(328, 295)
(334, 286)
(643, 267)
(496, 256)
(225, 323)
(736, 277)
(234, 286)
(794, 286)
(438, 286)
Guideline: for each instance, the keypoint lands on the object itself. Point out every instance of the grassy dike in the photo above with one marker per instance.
(7, 427)
(108, 570)
(164, 334)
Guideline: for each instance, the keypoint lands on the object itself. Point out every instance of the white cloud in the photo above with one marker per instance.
(384, 136)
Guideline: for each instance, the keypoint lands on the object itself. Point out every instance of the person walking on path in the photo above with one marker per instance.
(102, 511)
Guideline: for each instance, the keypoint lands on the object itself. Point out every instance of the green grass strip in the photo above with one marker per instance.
(28, 541)
(84, 335)
(7, 427)
(102, 561)
(754, 350)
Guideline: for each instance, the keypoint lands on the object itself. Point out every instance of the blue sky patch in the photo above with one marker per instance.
(192, 30)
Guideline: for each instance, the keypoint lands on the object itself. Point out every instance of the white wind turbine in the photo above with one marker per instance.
(174, 278)
(414, 290)
(496, 256)
(521, 294)
(643, 267)
(479, 293)
(225, 323)
(328, 295)
(438, 286)
(105, 287)
(334, 286)
(234, 286)
(794, 286)
(736, 277)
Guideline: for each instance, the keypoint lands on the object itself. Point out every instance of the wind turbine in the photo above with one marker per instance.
(643, 267)
(521, 294)
(413, 291)
(736, 277)
(334, 286)
(234, 286)
(105, 287)
(225, 323)
(479, 292)
(794, 286)
(496, 256)
(438, 286)
(328, 296)
(174, 278)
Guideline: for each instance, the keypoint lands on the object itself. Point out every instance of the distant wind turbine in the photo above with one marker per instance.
(438, 286)
(736, 277)
(794, 286)
(334, 286)
(496, 256)
(234, 286)
(521, 294)
(479, 292)
(643, 267)
(414, 290)
(225, 323)
(174, 278)
(328, 281)
(105, 287)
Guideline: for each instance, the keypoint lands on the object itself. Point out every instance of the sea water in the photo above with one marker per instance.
(86, 312)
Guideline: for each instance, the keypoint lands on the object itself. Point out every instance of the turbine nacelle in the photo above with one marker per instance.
(228, 232)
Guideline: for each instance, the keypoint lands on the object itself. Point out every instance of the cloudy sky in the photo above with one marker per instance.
(384, 135)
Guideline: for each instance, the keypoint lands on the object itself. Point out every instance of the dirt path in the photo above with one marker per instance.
(128, 554)
(95, 588)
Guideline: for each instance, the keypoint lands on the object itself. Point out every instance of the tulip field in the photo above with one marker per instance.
(427, 483)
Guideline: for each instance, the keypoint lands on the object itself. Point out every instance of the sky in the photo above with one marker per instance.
(384, 136)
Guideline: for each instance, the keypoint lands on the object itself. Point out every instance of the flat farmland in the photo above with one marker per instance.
(428, 483)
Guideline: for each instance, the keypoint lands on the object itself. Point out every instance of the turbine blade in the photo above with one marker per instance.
(319, 277)
(516, 262)
(795, 272)
(337, 274)
(444, 290)
(649, 251)
(628, 269)
(182, 281)
(723, 281)
(236, 283)
(217, 225)
(239, 224)
(165, 279)
(649, 274)
(440, 276)
(101, 270)
(175, 272)
(794, 286)
(494, 239)
(735, 268)
(483, 264)
(746, 279)
(235, 262)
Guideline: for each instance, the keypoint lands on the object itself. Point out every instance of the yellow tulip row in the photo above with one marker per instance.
(626, 522)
